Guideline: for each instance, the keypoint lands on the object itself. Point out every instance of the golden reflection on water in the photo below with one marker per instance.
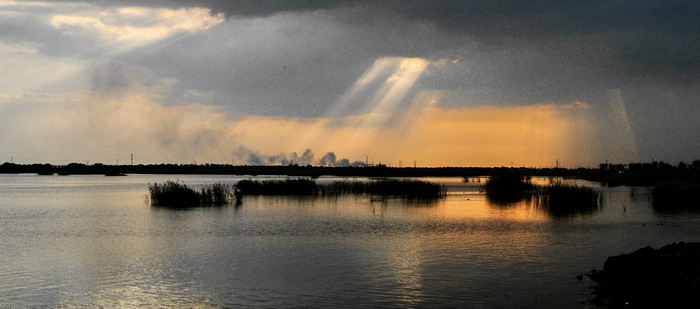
(85, 241)
(404, 262)
(476, 207)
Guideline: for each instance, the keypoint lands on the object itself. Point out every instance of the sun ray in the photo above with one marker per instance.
(376, 95)
(387, 101)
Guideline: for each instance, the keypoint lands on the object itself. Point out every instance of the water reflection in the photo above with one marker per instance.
(675, 205)
(102, 245)
(505, 199)
(557, 200)
(568, 211)
(235, 204)
(530, 201)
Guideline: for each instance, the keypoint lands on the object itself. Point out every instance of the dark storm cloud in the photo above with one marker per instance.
(555, 18)
(261, 8)
(645, 37)
(648, 39)
(238, 8)
(486, 18)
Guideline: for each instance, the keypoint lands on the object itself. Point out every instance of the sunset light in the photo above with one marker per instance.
(349, 154)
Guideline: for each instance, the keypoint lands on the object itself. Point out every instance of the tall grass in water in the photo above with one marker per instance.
(410, 188)
(216, 194)
(558, 198)
(507, 184)
(563, 199)
(177, 194)
(276, 187)
(507, 189)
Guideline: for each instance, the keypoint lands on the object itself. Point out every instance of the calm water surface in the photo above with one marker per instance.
(91, 241)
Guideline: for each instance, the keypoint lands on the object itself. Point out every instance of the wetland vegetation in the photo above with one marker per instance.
(559, 198)
(675, 186)
(383, 187)
(178, 194)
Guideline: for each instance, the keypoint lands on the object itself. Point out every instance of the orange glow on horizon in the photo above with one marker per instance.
(435, 136)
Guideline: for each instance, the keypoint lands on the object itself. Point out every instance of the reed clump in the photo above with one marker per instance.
(507, 184)
(559, 198)
(276, 187)
(409, 188)
(508, 189)
(341, 187)
(216, 194)
(390, 187)
(563, 198)
(177, 194)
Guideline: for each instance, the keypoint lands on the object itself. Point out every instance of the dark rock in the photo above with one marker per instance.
(647, 278)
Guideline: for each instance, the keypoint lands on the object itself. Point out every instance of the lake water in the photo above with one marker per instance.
(94, 241)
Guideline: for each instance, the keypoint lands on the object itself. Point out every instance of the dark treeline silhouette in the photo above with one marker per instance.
(645, 174)
(289, 170)
(676, 187)
(638, 174)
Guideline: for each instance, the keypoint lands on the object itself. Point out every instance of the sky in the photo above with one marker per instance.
(396, 82)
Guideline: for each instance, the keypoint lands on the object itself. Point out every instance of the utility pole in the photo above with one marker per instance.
(132, 159)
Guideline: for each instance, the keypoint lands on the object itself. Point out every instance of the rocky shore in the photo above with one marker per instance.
(668, 277)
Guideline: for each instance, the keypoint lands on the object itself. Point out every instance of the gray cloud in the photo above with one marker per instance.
(296, 58)
(282, 65)
(33, 29)
(650, 38)
(657, 38)
(525, 51)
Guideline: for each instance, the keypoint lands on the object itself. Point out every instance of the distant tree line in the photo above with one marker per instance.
(645, 174)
